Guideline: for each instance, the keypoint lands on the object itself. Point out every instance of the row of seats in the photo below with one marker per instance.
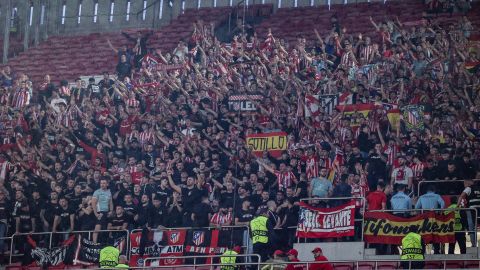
(337, 266)
(289, 23)
(396, 265)
(69, 57)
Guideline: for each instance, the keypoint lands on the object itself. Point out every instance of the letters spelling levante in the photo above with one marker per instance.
(270, 143)
(426, 226)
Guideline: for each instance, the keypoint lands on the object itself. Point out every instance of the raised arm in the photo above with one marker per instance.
(111, 46)
(172, 184)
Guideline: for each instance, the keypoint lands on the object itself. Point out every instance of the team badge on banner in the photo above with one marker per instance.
(174, 237)
(198, 237)
(413, 116)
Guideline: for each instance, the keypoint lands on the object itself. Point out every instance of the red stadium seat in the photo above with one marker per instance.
(433, 265)
(472, 265)
(343, 266)
(387, 265)
(366, 265)
(455, 264)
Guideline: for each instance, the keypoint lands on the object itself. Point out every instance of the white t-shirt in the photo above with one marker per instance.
(401, 175)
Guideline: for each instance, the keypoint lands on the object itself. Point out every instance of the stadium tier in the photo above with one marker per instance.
(232, 135)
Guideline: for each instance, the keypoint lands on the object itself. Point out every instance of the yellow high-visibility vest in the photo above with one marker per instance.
(229, 257)
(412, 247)
(109, 257)
(259, 229)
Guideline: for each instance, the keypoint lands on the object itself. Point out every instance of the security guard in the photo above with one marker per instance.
(413, 248)
(122, 262)
(229, 258)
(459, 233)
(259, 228)
(109, 257)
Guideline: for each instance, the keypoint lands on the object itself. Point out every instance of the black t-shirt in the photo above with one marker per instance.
(245, 215)
(201, 212)
(50, 210)
(190, 198)
(159, 216)
(118, 220)
(130, 210)
(303, 185)
(226, 199)
(144, 214)
(25, 219)
(376, 166)
(87, 222)
(75, 201)
(64, 215)
(175, 216)
(163, 194)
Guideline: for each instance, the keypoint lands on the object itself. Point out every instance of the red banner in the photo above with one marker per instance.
(326, 222)
(384, 228)
(156, 244)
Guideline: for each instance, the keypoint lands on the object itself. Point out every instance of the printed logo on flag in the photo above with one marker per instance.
(198, 238)
(174, 237)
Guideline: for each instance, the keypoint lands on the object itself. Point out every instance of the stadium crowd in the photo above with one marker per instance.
(157, 144)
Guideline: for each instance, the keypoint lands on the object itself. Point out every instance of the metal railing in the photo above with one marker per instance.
(195, 265)
(439, 182)
(362, 199)
(353, 264)
(50, 235)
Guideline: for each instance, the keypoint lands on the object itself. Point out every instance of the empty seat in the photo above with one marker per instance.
(455, 264)
(343, 266)
(433, 265)
(472, 264)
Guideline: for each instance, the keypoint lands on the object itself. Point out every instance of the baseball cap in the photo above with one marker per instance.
(293, 252)
(237, 249)
(278, 252)
(317, 249)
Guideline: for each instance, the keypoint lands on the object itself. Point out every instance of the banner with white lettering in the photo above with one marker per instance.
(326, 222)
(244, 103)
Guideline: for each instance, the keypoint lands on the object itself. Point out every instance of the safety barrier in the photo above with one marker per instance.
(50, 236)
(354, 265)
(439, 182)
(195, 265)
(362, 199)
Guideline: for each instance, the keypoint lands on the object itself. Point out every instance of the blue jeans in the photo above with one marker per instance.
(471, 228)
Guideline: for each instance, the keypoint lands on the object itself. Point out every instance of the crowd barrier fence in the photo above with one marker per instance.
(354, 265)
(438, 182)
(195, 265)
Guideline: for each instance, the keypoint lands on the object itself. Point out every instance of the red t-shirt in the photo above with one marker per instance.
(321, 266)
(294, 266)
(375, 200)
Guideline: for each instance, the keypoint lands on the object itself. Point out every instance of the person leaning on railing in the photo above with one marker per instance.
(260, 229)
(229, 258)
